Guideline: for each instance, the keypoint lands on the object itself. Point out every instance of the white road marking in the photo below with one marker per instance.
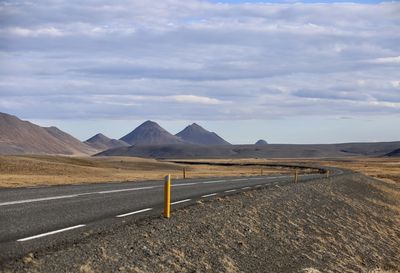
(38, 199)
(245, 188)
(181, 201)
(258, 186)
(208, 195)
(122, 190)
(216, 181)
(125, 190)
(230, 190)
(69, 196)
(184, 184)
(49, 233)
(134, 212)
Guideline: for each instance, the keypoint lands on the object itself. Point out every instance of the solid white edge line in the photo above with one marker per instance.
(49, 233)
(122, 190)
(209, 195)
(183, 184)
(246, 188)
(181, 201)
(230, 190)
(134, 212)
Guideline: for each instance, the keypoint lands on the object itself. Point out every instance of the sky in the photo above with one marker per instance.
(283, 71)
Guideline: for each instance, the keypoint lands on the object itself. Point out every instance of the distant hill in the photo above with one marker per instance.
(395, 153)
(23, 137)
(198, 135)
(150, 133)
(261, 142)
(102, 143)
(254, 151)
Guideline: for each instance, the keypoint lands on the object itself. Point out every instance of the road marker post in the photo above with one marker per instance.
(296, 176)
(327, 173)
(167, 196)
(184, 173)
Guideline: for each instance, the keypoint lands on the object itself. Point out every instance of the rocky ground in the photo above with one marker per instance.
(342, 224)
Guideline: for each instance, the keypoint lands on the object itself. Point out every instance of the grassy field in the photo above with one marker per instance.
(23, 171)
(20, 171)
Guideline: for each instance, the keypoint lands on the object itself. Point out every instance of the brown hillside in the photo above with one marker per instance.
(23, 137)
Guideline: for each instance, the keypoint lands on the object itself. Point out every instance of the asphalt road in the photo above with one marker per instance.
(41, 217)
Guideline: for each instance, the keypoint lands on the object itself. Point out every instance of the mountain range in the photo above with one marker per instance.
(151, 140)
(23, 137)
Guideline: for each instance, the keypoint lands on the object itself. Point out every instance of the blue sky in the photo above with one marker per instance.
(288, 73)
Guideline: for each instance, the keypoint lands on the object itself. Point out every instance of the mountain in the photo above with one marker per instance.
(253, 151)
(102, 143)
(261, 142)
(198, 135)
(150, 133)
(23, 137)
(395, 153)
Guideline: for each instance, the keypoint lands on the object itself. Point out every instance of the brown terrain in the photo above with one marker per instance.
(29, 170)
(348, 223)
(23, 137)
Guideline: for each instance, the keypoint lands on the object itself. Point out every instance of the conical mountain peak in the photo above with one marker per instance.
(150, 133)
(198, 135)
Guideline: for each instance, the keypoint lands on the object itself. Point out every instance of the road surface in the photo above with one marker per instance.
(39, 217)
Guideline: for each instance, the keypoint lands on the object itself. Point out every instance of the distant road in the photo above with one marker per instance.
(38, 217)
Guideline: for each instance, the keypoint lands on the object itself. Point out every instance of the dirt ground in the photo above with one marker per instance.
(340, 224)
(23, 171)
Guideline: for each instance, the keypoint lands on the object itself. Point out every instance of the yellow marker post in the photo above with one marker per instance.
(296, 176)
(167, 196)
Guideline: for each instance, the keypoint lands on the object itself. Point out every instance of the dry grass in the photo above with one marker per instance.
(22, 171)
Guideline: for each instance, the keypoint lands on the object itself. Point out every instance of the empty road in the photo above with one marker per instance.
(39, 217)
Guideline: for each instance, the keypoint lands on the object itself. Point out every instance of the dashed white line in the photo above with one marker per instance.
(230, 190)
(216, 181)
(240, 179)
(209, 195)
(181, 201)
(49, 233)
(133, 212)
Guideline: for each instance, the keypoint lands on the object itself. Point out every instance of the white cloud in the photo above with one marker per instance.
(387, 60)
(26, 32)
(78, 59)
(196, 99)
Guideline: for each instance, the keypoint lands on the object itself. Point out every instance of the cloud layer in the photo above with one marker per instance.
(198, 60)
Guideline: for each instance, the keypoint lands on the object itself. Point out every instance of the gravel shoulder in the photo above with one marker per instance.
(340, 224)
